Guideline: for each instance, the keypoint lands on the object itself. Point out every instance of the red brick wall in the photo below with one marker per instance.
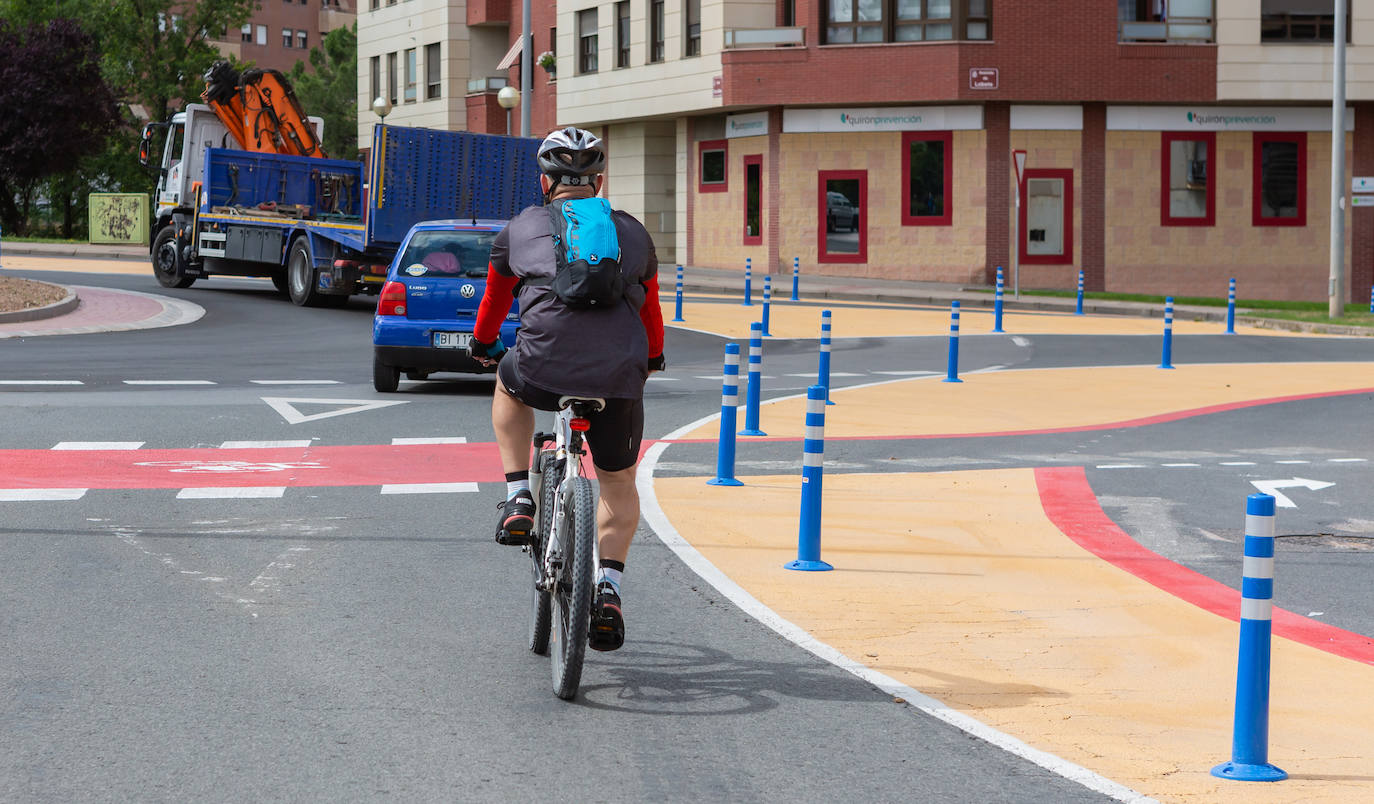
(1068, 56)
(482, 12)
(1093, 201)
(486, 116)
(1362, 226)
(997, 122)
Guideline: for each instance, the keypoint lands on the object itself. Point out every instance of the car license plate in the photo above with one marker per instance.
(452, 340)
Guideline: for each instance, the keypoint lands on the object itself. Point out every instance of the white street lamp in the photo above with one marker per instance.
(381, 106)
(509, 98)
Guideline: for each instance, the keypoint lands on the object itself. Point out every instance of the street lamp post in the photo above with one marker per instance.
(381, 106)
(509, 98)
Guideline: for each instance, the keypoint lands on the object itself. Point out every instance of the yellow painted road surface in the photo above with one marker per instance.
(964, 589)
(1050, 398)
(27, 263)
(865, 320)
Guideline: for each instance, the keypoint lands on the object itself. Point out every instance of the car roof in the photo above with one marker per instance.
(478, 225)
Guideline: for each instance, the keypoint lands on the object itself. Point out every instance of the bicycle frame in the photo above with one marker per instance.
(569, 448)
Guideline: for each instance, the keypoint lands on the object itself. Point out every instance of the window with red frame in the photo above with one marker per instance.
(928, 175)
(1280, 190)
(842, 216)
(1187, 197)
(713, 173)
(753, 200)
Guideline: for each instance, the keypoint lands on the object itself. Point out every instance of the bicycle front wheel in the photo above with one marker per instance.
(539, 600)
(572, 597)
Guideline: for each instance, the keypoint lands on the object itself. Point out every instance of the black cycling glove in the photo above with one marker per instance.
(491, 351)
(658, 363)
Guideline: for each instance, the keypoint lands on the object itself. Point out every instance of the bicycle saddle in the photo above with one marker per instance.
(582, 405)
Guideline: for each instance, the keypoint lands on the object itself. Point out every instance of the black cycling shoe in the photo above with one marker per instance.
(608, 626)
(517, 519)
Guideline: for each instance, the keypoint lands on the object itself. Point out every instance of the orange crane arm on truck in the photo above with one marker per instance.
(260, 110)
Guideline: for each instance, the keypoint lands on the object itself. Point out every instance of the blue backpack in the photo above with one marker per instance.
(586, 255)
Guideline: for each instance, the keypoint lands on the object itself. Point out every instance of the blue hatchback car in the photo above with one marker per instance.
(428, 306)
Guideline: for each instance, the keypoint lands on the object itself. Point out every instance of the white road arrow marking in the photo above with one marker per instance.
(287, 407)
(1272, 487)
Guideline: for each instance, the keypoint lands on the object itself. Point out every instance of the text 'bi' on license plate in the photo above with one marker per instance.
(452, 340)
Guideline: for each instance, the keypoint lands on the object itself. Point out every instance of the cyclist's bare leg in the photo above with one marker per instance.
(617, 515)
(513, 422)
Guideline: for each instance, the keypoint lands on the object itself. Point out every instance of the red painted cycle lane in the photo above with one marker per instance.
(360, 465)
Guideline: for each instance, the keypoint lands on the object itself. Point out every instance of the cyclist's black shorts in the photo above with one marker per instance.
(616, 431)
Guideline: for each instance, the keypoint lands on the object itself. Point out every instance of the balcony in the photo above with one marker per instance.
(488, 12)
(1188, 22)
(491, 83)
(764, 37)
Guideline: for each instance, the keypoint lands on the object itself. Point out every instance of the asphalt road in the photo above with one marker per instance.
(338, 643)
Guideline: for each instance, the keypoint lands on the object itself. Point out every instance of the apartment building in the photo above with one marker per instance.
(1169, 144)
(440, 64)
(281, 33)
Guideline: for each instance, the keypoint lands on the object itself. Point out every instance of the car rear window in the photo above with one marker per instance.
(441, 253)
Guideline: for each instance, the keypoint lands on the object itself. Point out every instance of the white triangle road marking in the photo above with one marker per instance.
(288, 410)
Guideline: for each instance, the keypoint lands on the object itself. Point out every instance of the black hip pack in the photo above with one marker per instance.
(586, 252)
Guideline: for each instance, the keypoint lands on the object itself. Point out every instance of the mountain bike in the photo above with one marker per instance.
(563, 550)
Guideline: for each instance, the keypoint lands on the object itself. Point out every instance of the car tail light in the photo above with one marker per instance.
(392, 300)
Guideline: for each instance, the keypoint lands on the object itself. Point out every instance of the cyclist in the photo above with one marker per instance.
(560, 350)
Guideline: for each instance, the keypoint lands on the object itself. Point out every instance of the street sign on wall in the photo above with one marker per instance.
(982, 78)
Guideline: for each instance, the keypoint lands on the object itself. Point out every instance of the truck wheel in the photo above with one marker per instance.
(168, 266)
(386, 379)
(300, 275)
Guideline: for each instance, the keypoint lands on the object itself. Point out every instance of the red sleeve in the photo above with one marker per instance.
(652, 316)
(496, 303)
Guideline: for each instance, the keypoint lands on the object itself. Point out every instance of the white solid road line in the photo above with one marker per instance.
(429, 488)
(402, 442)
(97, 445)
(266, 444)
(234, 493)
(295, 382)
(41, 382)
(169, 382)
(37, 495)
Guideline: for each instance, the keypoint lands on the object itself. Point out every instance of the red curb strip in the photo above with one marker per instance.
(1070, 504)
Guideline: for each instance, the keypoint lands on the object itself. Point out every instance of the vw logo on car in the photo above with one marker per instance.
(468, 290)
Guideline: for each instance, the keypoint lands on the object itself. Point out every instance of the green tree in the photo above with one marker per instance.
(331, 90)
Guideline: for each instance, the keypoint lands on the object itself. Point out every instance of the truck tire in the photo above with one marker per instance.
(168, 266)
(300, 275)
(385, 379)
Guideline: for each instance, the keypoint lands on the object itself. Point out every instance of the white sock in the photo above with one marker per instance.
(515, 486)
(611, 576)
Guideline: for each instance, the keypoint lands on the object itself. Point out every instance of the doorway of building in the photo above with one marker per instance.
(842, 217)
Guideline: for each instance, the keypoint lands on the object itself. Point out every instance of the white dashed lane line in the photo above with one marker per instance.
(169, 382)
(93, 445)
(232, 493)
(1220, 463)
(40, 495)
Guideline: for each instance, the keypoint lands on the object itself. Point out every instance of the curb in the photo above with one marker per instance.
(80, 252)
(66, 305)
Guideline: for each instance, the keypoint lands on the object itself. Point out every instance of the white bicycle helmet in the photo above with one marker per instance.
(572, 156)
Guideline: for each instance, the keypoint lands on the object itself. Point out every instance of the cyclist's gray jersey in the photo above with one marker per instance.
(580, 352)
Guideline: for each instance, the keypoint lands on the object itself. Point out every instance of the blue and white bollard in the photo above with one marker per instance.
(767, 299)
(796, 277)
(751, 393)
(952, 375)
(729, 401)
(1078, 308)
(813, 451)
(1168, 348)
(1250, 736)
(748, 281)
(823, 372)
(1231, 308)
(677, 315)
(997, 304)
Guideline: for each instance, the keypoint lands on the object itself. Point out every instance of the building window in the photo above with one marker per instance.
(1300, 21)
(375, 67)
(1154, 21)
(841, 224)
(851, 21)
(1187, 197)
(375, 4)
(410, 76)
(286, 38)
(713, 175)
(1046, 217)
(262, 35)
(691, 35)
(753, 200)
(1280, 180)
(655, 30)
(622, 33)
(928, 177)
(246, 33)
(586, 41)
(391, 79)
(302, 39)
(431, 71)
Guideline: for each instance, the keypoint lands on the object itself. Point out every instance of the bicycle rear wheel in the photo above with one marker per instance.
(540, 616)
(572, 598)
